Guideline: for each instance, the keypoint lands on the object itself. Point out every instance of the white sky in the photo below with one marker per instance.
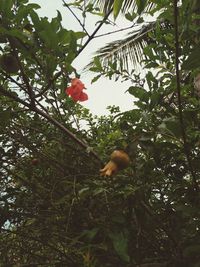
(104, 92)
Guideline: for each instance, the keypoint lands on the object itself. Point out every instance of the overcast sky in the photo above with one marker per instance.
(104, 92)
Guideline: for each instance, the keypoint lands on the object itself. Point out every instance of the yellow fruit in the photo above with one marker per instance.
(109, 169)
(120, 158)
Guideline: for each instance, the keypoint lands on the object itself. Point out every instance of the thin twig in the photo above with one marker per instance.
(94, 32)
(120, 30)
(185, 144)
(57, 108)
(84, 15)
(13, 96)
(12, 80)
(47, 244)
(56, 76)
(82, 24)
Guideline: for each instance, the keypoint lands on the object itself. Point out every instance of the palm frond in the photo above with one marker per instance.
(128, 52)
(127, 5)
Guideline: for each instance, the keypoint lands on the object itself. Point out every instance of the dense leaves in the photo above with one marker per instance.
(55, 208)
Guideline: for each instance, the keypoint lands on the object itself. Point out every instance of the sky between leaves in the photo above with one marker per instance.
(104, 92)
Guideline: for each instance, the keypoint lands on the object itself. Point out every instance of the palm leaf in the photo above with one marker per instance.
(128, 52)
(127, 5)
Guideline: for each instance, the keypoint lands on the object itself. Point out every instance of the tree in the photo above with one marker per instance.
(55, 208)
(147, 19)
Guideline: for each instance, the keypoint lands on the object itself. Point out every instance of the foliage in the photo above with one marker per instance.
(55, 209)
(146, 18)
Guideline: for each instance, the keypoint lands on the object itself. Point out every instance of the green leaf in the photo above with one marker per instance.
(193, 61)
(35, 19)
(5, 7)
(130, 16)
(139, 92)
(96, 78)
(51, 65)
(64, 36)
(171, 126)
(116, 7)
(5, 117)
(90, 234)
(73, 42)
(33, 6)
(70, 57)
(18, 34)
(97, 63)
(22, 13)
(140, 20)
(80, 35)
(141, 4)
(120, 244)
(151, 65)
(59, 16)
(94, 69)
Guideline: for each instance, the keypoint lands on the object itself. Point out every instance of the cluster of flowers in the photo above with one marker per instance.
(76, 90)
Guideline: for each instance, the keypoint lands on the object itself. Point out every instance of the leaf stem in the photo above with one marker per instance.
(112, 32)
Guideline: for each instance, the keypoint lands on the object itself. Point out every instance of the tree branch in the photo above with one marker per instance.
(14, 97)
(45, 115)
(112, 32)
(72, 12)
(50, 119)
(56, 76)
(32, 238)
(94, 32)
(24, 76)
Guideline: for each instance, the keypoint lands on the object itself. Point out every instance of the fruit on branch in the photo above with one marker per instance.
(119, 160)
(9, 63)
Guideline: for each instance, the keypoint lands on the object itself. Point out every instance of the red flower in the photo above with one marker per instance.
(76, 90)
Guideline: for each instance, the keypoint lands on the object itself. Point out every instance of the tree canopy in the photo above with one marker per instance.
(55, 208)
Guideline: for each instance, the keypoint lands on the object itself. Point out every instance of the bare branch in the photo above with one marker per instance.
(72, 12)
(112, 32)
(94, 32)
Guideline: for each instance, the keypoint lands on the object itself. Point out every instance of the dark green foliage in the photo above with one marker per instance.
(55, 209)
(9, 63)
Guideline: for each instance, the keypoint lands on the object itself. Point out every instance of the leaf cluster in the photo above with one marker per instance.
(55, 208)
